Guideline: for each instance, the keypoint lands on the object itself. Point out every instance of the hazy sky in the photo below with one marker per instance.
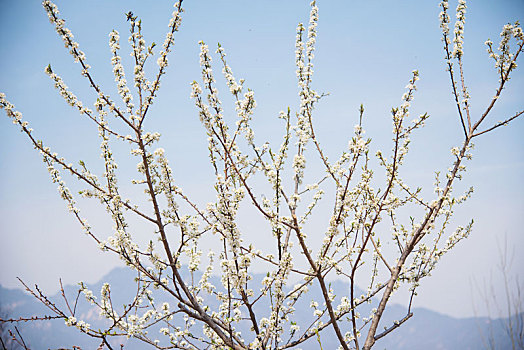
(365, 54)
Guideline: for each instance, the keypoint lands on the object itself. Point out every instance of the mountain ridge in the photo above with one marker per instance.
(427, 329)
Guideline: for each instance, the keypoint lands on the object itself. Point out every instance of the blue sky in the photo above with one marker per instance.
(365, 54)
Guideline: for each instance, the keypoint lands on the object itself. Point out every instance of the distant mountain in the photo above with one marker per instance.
(427, 329)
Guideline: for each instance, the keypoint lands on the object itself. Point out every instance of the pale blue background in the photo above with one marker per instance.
(365, 54)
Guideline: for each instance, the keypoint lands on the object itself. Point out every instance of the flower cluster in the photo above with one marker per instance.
(65, 33)
(118, 71)
(458, 40)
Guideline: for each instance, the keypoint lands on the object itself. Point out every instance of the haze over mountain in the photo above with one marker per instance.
(425, 330)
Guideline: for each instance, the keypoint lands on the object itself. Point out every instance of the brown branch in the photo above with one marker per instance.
(306, 336)
(379, 253)
(39, 145)
(369, 233)
(395, 325)
(503, 80)
(65, 298)
(156, 84)
(86, 72)
(464, 92)
(322, 283)
(176, 274)
(27, 319)
(452, 78)
(417, 236)
(499, 124)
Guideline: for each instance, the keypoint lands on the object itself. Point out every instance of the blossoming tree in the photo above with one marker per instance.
(231, 313)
